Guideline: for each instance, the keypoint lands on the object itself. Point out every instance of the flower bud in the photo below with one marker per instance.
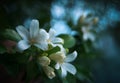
(12, 35)
(44, 61)
(58, 57)
(49, 71)
(95, 20)
(81, 19)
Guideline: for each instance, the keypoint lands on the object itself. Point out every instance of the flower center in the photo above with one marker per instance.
(49, 41)
(61, 59)
(32, 41)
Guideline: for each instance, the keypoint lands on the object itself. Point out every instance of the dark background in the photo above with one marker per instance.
(105, 69)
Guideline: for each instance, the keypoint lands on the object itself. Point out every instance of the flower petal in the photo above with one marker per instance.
(57, 40)
(91, 36)
(34, 28)
(64, 72)
(52, 33)
(43, 35)
(23, 45)
(57, 66)
(23, 32)
(71, 57)
(88, 35)
(42, 45)
(69, 67)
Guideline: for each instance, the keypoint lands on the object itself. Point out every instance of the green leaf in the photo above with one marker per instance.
(69, 41)
(12, 35)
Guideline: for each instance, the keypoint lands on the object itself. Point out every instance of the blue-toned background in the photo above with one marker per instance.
(62, 15)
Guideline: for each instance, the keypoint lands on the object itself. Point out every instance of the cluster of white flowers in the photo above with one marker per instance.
(37, 37)
(41, 39)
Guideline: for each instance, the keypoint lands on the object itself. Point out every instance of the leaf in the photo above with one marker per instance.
(69, 41)
(12, 35)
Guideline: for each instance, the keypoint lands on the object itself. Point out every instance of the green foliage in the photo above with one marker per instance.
(69, 41)
(11, 35)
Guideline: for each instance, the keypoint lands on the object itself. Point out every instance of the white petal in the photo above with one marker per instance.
(64, 72)
(52, 33)
(23, 32)
(57, 40)
(42, 45)
(70, 68)
(85, 36)
(43, 35)
(57, 66)
(88, 35)
(71, 57)
(34, 28)
(23, 45)
(91, 37)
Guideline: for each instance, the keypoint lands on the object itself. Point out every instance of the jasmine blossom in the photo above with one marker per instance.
(87, 34)
(33, 36)
(62, 61)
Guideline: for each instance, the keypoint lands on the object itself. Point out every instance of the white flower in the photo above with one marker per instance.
(33, 36)
(87, 34)
(53, 40)
(63, 62)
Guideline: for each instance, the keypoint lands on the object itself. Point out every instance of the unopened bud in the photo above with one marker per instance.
(58, 57)
(49, 71)
(81, 19)
(95, 20)
(12, 35)
(44, 61)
